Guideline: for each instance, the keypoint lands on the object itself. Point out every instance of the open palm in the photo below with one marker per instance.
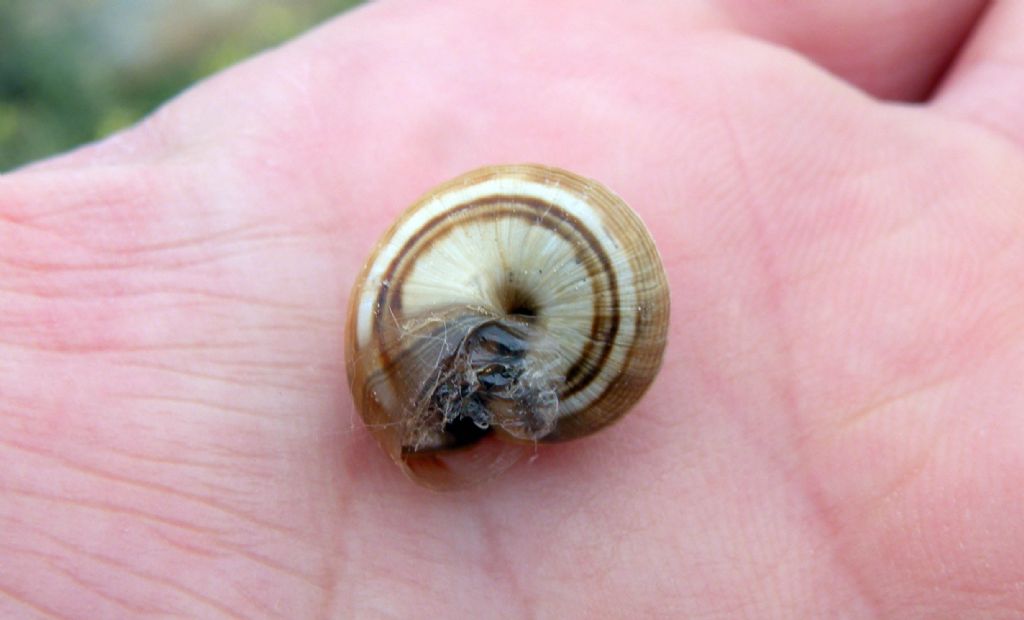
(838, 427)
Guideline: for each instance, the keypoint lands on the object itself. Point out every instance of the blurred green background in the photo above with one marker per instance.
(72, 71)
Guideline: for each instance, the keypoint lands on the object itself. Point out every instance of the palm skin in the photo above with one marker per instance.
(836, 431)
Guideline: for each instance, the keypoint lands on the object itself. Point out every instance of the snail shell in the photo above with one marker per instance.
(511, 306)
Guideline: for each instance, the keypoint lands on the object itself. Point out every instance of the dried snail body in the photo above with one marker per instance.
(511, 306)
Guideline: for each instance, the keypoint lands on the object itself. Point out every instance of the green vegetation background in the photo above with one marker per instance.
(73, 71)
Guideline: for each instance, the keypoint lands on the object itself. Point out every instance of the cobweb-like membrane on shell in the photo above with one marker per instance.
(472, 411)
(465, 375)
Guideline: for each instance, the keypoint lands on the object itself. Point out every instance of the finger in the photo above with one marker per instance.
(893, 50)
(987, 84)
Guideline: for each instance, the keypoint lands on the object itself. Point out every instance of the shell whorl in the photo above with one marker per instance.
(520, 300)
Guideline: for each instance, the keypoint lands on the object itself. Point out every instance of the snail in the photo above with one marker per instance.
(515, 305)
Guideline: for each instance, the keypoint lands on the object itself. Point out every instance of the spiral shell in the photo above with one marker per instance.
(511, 306)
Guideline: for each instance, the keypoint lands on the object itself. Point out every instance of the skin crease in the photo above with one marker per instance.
(837, 429)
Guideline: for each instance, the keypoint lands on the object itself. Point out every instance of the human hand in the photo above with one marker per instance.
(837, 428)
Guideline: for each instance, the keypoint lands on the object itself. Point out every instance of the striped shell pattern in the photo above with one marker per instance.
(511, 306)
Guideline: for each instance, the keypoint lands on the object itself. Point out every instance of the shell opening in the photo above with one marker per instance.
(493, 381)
